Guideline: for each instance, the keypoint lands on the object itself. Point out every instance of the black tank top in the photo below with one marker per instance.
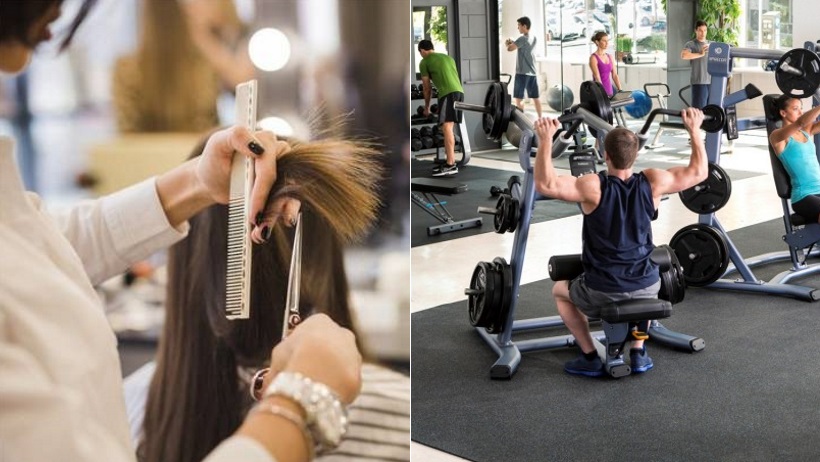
(617, 236)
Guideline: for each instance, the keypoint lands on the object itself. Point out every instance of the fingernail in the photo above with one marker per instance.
(256, 148)
(260, 217)
(266, 232)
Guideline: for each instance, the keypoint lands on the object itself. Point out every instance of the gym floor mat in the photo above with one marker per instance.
(751, 394)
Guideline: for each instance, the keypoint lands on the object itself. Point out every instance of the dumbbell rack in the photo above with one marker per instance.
(508, 351)
(462, 142)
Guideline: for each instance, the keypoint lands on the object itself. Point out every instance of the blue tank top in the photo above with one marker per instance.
(800, 161)
(617, 236)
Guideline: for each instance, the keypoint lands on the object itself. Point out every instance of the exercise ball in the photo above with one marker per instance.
(559, 97)
(641, 107)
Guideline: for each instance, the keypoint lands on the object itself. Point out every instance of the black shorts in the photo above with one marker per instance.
(446, 111)
(808, 208)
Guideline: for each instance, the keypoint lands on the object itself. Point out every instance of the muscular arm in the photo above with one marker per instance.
(677, 179)
(549, 183)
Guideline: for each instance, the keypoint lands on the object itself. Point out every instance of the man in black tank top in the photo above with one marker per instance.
(618, 206)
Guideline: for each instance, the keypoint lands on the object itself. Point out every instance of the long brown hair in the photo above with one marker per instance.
(196, 399)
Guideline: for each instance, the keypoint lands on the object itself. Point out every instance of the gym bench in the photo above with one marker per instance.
(619, 319)
(423, 192)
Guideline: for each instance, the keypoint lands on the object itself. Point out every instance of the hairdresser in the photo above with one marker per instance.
(60, 387)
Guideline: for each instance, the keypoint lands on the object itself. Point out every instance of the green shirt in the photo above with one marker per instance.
(442, 71)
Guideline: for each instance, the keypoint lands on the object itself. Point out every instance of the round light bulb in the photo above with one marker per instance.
(269, 49)
(276, 125)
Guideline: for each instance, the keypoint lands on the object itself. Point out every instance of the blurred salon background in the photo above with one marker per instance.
(144, 80)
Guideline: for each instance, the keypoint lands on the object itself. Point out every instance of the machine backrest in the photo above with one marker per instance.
(781, 177)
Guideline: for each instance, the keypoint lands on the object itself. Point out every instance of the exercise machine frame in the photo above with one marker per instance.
(509, 351)
(719, 67)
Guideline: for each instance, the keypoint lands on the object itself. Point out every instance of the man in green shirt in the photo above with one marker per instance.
(441, 70)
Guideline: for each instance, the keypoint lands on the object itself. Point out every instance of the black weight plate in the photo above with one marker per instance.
(475, 300)
(702, 252)
(717, 118)
(672, 284)
(504, 282)
(479, 303)
(500, 218)
(494, 298)
(798, 86)
(514, 212)
(594, 99)
(711, 194)
(498, 103)
(667, 290)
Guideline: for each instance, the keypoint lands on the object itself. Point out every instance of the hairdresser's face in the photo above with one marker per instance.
(14, 55)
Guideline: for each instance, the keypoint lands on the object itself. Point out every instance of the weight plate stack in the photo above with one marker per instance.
(702, 252)
(673, 284)
(486, 294)
(499, 105)
(504, 271)
(595, 100)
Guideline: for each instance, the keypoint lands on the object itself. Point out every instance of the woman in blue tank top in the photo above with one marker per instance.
(793, 145)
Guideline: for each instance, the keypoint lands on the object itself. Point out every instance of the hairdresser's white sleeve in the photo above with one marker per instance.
(240, 448)
(111, 233)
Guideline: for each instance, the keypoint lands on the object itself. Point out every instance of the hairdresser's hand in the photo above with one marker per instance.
(320, 349)
(545, 128)
(692, 120)
(214, 172)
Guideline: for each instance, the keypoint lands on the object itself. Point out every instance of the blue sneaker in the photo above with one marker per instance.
(639, 360)
(583, 366)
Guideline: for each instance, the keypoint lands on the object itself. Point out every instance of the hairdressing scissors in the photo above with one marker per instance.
(292, 316)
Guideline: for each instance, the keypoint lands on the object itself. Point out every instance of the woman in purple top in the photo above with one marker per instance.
(602, 64)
